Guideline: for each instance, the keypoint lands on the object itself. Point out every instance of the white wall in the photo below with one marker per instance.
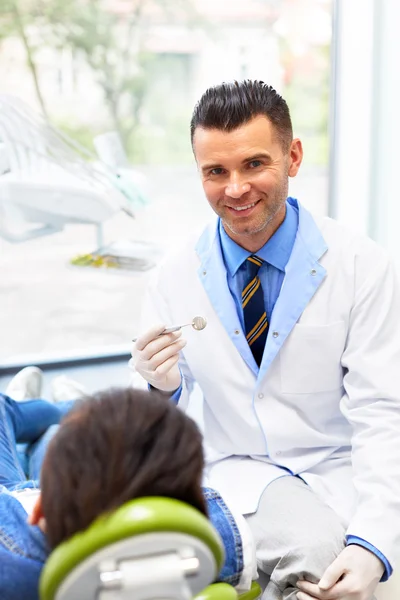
(385, 171)
(351, 132)
(364, 174)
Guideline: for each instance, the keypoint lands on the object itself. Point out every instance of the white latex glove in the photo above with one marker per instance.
(353, 575)
(155, 357)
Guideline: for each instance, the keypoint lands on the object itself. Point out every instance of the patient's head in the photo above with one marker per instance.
(118, 445)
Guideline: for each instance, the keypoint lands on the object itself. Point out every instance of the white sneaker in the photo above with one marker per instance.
(63, 388)
(26, 384)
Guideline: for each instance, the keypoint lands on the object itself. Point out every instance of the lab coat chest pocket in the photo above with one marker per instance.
(311, 358)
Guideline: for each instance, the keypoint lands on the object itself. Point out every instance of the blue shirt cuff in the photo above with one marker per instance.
(174, 397)
(353, 539)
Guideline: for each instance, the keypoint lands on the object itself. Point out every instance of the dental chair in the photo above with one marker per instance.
(148, 549)
(49, 181)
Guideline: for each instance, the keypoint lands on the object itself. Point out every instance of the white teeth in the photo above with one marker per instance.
(243, 207)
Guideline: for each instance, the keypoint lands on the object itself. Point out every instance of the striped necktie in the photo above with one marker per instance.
(255, 317)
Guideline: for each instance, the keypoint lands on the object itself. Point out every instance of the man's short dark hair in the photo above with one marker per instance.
(118, 445)
(230, 105)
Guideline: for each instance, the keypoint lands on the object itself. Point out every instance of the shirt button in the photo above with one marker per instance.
(261, 396)
(204, 272)
(275, 334)
(278, 453)
(313, 272)
(236, 332)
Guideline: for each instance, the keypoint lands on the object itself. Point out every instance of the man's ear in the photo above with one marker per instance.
(295, 156)
(36, 517)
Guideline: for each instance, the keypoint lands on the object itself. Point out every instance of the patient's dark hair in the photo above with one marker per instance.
(118, 445)
(229, 105)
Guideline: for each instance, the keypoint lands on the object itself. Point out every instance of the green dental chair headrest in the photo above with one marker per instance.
(148, 546)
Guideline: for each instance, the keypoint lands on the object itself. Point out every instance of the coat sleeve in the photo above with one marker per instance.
(155, 310)
(371, 363)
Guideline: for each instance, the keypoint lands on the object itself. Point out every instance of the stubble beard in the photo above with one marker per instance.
(273, 210)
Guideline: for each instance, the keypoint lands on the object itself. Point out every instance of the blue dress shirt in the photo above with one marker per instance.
(275, 254)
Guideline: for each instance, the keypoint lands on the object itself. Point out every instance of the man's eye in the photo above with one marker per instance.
(216, 171)
(254, 163)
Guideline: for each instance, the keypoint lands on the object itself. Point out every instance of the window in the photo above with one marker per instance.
(138, 68)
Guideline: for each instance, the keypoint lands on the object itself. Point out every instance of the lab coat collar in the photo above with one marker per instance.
(308, 231)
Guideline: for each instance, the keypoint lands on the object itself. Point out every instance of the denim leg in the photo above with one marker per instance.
(31, 418)
(11, 472)
(224, 522)
(37, 451)
(22, 450)
(23, 422)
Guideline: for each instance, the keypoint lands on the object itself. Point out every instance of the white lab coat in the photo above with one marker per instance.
(326, 402)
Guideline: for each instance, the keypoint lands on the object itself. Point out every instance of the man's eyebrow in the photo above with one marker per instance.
(211, 166)
(264, 155)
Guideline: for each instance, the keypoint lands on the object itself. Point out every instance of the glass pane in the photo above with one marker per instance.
(135, 67)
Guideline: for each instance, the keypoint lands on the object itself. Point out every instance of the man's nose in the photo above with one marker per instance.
(237, 187)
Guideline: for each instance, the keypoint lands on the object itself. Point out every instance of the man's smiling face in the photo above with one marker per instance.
(245, 178)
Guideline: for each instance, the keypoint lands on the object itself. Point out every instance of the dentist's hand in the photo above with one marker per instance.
(354, 575)
(155, 357)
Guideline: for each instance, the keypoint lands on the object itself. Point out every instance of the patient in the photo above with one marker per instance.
(112, 447)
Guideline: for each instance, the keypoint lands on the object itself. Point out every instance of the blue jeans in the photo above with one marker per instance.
(29, 423)
(23, 549)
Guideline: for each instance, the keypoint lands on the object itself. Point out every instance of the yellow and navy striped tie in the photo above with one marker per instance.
(255, 317)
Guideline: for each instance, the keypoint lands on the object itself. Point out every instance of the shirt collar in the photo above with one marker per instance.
(276, 251)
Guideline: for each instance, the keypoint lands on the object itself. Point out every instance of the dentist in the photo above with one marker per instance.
(298, 365)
